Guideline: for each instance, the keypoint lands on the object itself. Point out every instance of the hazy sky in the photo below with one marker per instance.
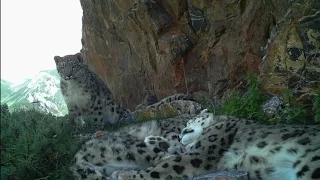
(34, 31)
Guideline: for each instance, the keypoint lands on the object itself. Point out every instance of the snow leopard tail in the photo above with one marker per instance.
(172, 98)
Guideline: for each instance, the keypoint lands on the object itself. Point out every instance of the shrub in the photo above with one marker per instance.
(35, 145)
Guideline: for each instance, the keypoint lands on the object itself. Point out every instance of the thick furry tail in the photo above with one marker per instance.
(172, 98)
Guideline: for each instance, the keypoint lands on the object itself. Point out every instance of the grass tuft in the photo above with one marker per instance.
(247, 105)
(316, 106)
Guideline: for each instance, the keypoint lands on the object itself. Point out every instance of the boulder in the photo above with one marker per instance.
(292, 55)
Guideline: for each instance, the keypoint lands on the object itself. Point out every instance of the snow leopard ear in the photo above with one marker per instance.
(79, 57)
(57, 59)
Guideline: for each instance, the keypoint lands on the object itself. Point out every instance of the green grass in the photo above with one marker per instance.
(316, 107)
(35, 146)
(249, 106)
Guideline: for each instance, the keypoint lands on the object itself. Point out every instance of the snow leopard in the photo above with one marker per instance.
(187, 146)
(88, 97)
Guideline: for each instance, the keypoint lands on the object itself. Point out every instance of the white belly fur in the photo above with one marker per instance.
(76, 95)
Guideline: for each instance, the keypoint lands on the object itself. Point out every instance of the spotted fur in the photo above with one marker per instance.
(229, 143)
(89, 98)
(86, 95)
(225, 143)
(99, 157)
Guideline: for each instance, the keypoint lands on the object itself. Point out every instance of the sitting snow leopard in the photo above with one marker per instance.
(144, 151)
(87, 96)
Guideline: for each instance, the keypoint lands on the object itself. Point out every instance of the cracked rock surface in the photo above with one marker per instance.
(162, 47)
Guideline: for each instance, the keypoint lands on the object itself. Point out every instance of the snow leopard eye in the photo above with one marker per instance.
(187, 131)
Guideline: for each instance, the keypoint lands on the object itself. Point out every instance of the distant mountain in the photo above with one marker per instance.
(6, 89)
(41, 92)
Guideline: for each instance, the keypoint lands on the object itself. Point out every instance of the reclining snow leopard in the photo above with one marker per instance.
(207, 143)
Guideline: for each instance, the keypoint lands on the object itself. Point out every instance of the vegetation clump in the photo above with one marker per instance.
(249, 106)
(35, 145)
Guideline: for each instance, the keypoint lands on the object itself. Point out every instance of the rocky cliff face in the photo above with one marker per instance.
(166, 46)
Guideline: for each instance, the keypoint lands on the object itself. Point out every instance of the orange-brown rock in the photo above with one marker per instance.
(169, 46)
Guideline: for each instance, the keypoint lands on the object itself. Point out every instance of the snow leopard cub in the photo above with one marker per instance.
(86, 95)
